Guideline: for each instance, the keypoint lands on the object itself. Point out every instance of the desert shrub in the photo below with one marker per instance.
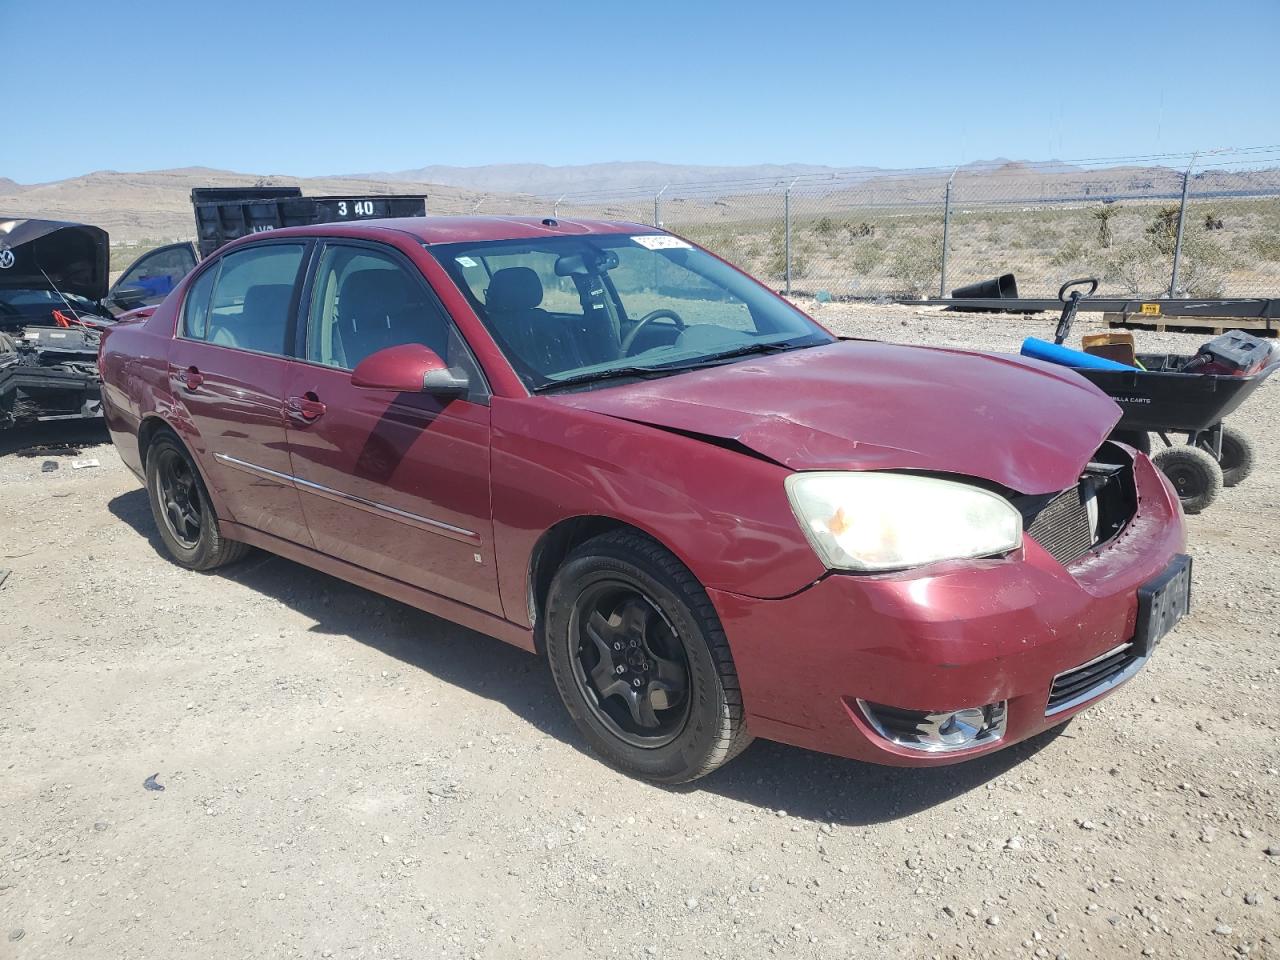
(1138, 267)
(1071, 253)
(1103, 215)
(1202, 267)
(824, 227)
(801, 254)
(1163, 230)
(1265, 246)
(867, 257)
(916, 262)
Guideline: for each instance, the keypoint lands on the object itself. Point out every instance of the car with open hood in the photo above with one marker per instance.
(713, 517)
(53, 278)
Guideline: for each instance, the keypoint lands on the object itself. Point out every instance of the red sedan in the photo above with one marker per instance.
(601, 443)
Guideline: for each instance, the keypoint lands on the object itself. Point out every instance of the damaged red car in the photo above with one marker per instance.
(604, 444)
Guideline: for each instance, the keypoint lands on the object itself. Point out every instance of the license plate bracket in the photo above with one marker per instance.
(1162, 602)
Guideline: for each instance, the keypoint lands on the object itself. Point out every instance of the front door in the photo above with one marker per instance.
(228, 371)
(396, 483)
(149, 279)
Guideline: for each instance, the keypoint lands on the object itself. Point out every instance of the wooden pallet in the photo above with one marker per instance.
(1259, 327)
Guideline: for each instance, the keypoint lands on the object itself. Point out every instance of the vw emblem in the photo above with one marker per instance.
(6, 257)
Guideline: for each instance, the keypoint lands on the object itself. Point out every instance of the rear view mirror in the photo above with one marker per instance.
(409, 368)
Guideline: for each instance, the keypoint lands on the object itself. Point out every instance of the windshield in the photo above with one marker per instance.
(570, 310)
(35, 305)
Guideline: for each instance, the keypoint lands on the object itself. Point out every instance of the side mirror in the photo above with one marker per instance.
(409, 368)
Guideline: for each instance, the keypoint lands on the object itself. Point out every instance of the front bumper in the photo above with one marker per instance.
(30, 394)
(952, 635)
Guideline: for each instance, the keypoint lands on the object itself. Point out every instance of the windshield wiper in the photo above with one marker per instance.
(745, 350)
(614, 373)
(649, 373)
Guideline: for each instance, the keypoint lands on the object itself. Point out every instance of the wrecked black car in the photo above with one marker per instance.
(53, 279)
(54, 298)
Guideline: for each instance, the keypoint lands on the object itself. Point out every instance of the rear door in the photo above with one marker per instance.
(228, 368)
(394, 482)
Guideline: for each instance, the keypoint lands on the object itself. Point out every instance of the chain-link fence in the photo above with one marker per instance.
(1189, 225)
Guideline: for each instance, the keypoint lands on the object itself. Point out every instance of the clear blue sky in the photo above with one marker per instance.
(323, 87)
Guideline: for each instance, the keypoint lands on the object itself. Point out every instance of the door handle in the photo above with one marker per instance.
(191, 378)
(304, 409)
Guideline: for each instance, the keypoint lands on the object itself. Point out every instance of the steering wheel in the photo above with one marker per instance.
(648, 318)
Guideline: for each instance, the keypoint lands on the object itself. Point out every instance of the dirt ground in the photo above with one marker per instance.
(347, 777)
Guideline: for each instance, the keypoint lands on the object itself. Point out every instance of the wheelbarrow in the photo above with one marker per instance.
(1160, 399)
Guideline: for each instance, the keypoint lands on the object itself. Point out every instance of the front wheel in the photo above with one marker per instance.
(1194, 474)
(182, 509)
(641, 661)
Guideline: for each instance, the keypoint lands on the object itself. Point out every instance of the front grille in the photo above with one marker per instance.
(1063, 526)
(1086, 681)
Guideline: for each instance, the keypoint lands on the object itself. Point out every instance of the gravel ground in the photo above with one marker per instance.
(347, 777)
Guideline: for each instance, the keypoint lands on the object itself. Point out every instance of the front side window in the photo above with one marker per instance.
(363, 301)
(249, 305)
(577, 310)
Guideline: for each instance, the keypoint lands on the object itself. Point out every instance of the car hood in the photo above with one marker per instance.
(862, 405)
(72, 258)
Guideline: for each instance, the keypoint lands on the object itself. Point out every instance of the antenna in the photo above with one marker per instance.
(61, 296)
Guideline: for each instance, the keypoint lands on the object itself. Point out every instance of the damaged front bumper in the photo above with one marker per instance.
(977, 647)
(49, 373)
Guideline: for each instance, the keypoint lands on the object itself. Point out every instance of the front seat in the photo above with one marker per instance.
(537, 338)
(383, 308)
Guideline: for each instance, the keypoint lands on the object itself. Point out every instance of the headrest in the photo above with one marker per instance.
(267, 303)
(514, 288)
(375, 292)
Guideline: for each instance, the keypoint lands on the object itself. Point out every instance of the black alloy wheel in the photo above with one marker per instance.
(641, 659)
(179, 497)
(629, 664)
(183, 512)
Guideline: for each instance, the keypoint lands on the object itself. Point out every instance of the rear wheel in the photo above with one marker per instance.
(641, 661)
(1194, 474)
(182, 510)
(1237, 455)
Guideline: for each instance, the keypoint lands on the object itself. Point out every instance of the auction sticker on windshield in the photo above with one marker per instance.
(661, 241)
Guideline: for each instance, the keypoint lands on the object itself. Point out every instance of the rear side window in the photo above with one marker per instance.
(195, 310)
(249, 306)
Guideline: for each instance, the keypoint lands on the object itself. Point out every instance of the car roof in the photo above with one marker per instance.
(462, 229)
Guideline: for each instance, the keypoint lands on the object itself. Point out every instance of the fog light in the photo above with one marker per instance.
(940, 731)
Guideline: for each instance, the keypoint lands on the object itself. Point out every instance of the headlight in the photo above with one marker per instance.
(889, 521)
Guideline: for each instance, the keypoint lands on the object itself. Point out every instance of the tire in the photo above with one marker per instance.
(1195, 475)
(622, 587)
(1237, 455)
(182, 510)
(1140, 440)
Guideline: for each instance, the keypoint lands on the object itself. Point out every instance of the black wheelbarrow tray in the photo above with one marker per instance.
(1162, 400)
